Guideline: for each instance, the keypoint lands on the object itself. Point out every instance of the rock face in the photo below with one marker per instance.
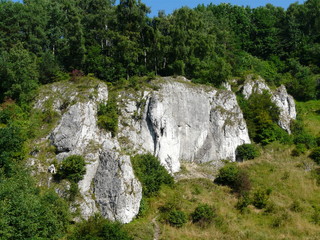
(279, 97)
(117, 196)
(186, 122)
(177, 121)
(287, 107)
(117, 191)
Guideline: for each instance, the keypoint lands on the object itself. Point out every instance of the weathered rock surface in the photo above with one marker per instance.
(287, 106)
(176, 121)
(117, 191)
(186, 122)
(116, 195)
(280, 97)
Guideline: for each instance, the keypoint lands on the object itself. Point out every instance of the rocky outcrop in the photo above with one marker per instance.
(279, 97)
(257, 86)
(116, 195)
(287, 106)
(117, 191)
(186, 122)
(176, 121)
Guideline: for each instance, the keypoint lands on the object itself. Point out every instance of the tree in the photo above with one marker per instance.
(28, 213)
(18, 74)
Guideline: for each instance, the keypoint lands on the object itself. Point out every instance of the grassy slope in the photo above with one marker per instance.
(291, 207)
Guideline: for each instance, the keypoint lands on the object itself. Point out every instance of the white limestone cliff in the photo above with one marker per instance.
(186, 122)
(176, 121)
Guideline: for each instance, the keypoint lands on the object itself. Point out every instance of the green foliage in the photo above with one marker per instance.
(228, 175)
(98, 228)
(177, 218)
(234, 177)
(305, 139)
(203, 215)
(260, 198)
(108, 116)
(262, 115)
(28, 213)
(315, 155)
(247, 152)
(302, 138)
(315, 218)
(299, 150)
(19, 74)
(243, 202)
(150, 173)
(11, 147)
(144, 207)
(72, 168)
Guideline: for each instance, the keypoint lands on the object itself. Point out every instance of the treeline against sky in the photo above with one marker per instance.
(42, 40)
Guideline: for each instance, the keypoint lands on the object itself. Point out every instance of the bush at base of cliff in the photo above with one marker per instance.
(247, 152)
(150, 173)
(232, 176)
(203, 215)
(72, 168)
(98, 228)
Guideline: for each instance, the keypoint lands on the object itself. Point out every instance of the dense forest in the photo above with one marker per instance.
(45, 41)
(40, 40)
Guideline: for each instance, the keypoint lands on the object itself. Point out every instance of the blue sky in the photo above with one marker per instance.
(170, 5)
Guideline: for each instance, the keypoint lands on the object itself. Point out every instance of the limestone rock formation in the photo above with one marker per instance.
(176, 121)
(186, 122)
(280, 97)
(117, 191)
(77, 133)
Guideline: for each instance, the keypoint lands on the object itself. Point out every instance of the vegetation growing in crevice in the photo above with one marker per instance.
(72, 168)
(108, 115)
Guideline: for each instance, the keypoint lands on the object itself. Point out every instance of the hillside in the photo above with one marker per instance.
(200, 124)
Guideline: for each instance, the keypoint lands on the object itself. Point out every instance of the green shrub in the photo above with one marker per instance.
(234, 177)
(73, 191)
(298, 150)
(98, 228)
(150, 173)
(177, 218)
(203, 215)
(11, 147)
(243, 202)
(108, 116)
(72, 168)
(315, 155)
(260, 198)
(228, 175)
(246, 152)
(243, 184)
(306, 139)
